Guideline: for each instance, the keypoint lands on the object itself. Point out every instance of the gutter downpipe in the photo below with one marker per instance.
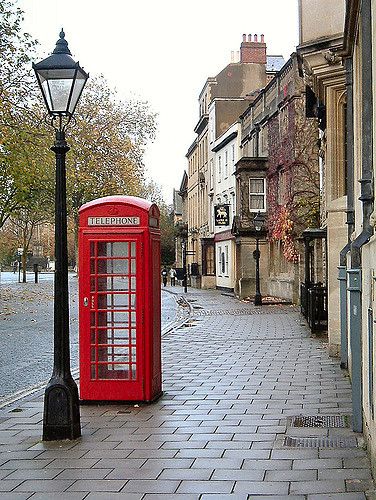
(366, 197)
(342, 268)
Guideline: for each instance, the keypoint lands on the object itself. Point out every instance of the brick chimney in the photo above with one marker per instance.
(253, 51)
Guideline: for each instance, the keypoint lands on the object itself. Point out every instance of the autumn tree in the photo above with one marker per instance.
(107, 142)
(21, 140)
(107, 146)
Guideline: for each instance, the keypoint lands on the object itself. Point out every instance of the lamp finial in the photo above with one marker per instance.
(62, 45)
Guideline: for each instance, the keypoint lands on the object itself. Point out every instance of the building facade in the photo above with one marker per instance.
(278, 176)
(223, 97)
(321, 37)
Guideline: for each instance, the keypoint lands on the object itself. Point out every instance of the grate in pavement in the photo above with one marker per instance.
(337, 421)
(320, 442)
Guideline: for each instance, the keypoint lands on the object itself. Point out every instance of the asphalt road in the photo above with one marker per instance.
(26, 331)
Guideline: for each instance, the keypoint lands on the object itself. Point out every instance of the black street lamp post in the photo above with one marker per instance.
(184, 258)
(61, 81)
(258, 223)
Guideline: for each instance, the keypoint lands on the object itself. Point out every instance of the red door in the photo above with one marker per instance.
(111, 304)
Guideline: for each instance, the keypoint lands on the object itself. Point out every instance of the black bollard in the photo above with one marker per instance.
(35, 266)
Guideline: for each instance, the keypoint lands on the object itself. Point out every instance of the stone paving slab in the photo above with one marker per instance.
(232, 377)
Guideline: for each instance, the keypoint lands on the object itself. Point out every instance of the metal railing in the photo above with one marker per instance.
(314, 305)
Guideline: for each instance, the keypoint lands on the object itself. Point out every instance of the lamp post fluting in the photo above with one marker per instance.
(61, 81)
(258, 223)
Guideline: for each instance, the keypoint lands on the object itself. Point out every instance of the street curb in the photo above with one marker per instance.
(17, 396)
(173, 325)
(13, 398)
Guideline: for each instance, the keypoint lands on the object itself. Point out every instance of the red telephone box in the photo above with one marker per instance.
(120, 304)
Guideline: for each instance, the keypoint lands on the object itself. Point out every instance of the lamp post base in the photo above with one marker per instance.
(258, 300)
(61, 410)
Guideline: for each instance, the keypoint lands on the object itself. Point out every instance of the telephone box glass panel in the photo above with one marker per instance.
(113, 323)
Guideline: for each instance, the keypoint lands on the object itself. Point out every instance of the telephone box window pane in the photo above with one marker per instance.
(113, 301)
(101, 284)
(134, 372)
(92, 249)
(115, 371)
(113, 355)
(92, 336)
(115, 249)
(113, 266)
(102, 248)
(133, 336)
(133, 249)
(134, 357)
(120, 249)
(92, 372)
(133, 301)
(92, 354)
(92, 266)
(133, 266)
(113, 337)
(118, 283)
(116, 318)
(92, 284)
(133, 284)
(118, 266)
(103, 336)
(133, 319)
(118, 301)
(92, 319)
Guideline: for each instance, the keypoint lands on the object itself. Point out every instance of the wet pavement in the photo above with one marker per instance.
(26, 331)
(253, 408)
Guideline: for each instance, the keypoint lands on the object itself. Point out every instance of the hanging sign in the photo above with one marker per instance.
(222, 215)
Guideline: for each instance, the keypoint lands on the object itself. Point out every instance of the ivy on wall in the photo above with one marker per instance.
(293, 178)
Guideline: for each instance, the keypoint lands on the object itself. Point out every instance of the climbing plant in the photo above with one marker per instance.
(293, 177)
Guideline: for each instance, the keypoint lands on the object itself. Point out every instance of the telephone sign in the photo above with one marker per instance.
(119, 294)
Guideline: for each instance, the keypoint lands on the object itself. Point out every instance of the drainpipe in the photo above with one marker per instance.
(355, 273)
(342, 268)
(257, 137)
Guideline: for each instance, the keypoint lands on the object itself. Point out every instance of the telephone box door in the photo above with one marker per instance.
(111, 342)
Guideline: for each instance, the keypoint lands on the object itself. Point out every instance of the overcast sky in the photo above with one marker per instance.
(162, 52)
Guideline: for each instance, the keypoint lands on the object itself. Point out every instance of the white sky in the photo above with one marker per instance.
(161, 51)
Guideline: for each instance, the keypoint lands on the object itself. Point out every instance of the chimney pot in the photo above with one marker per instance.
(244, 37)
(262, 39)
(255, 38)
(249, 38)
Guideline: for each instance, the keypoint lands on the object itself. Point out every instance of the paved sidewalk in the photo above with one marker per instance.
(234, 378)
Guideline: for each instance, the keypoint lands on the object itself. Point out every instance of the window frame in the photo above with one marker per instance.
(251, 193)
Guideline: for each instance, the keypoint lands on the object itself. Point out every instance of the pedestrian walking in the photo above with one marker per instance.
(172, 276)
(164, 276)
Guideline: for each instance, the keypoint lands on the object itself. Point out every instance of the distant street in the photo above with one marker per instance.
(26, 330)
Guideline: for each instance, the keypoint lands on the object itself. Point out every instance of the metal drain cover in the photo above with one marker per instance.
(320, 442)
(336, 421)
